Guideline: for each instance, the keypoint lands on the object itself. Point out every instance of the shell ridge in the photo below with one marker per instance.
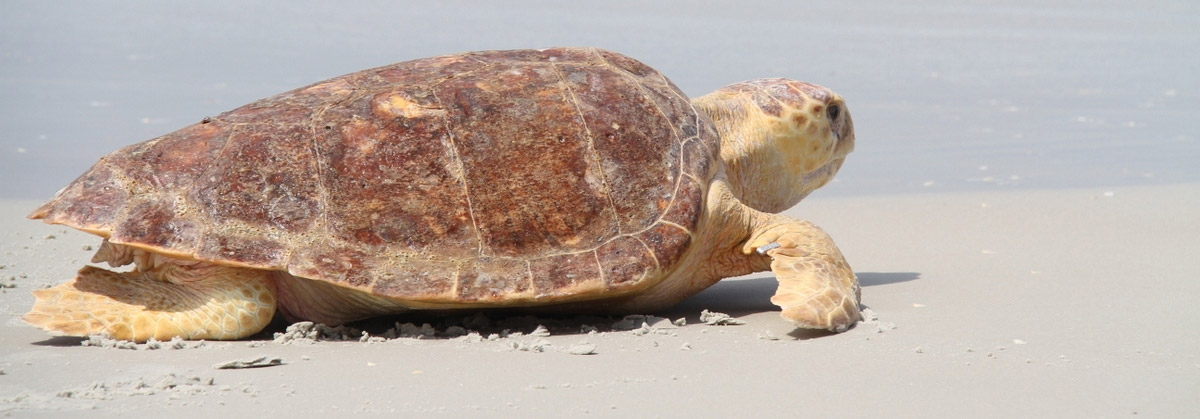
(233, 131)
(599, 56)
(599, 266)
(455, 284)
(474, 56)
(153, 174)
(699, 123)
(657, 264)
(682, 141)
(591, 145)
(484, 65)
(693, 178)
(319, 165)
(462, 169)
(187, 191)
(122, 178)
(322, 189)
(678, 142)
(529, 274)
(672, 224)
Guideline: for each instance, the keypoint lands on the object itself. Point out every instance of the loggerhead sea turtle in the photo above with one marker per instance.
(567, 178)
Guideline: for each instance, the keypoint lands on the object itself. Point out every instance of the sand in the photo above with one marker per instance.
(1066, 303)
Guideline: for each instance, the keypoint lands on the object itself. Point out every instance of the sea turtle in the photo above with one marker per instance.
(565, 178)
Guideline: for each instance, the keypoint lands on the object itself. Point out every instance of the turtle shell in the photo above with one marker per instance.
(486, 177)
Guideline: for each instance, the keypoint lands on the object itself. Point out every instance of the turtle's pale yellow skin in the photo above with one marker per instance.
(772, 158)
(779, 141)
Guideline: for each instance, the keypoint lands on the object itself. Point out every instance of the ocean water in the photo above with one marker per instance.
(946, 95)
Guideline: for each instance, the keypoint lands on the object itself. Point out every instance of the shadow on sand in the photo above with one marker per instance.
(749, 296)
(738, 298)
(60, 341)
(744, 297)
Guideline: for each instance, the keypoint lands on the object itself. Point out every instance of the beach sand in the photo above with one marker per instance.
(1064, 303)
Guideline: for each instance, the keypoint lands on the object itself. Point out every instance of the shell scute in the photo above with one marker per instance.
(93, 202)
(634, 142)
(683, 210)
(492, 280)
(429, 282)
(156, 222)
(558, 276)
(243, 249)
(534, 187)
(325, 261)
(265, 178)
(393, 182)
(667, 243)
(625, 262)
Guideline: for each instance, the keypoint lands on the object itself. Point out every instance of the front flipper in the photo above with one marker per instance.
(201, 302)
(817, 288)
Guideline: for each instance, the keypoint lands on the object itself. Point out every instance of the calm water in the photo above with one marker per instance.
(946, 95)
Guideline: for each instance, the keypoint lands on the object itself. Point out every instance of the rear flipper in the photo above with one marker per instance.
(191, 302)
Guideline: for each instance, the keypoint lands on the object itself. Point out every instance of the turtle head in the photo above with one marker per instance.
(780, 139)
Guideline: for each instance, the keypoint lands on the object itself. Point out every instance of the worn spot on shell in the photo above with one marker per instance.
(398, 106)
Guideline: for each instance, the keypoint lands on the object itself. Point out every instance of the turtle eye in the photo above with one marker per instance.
(833, 111)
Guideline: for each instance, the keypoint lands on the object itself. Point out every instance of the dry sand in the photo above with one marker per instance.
(1055, 303)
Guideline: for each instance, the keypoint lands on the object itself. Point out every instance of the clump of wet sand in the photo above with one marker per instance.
(714, 318)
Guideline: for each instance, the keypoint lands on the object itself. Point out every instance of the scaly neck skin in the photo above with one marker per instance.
(728, 225)
(755, 176)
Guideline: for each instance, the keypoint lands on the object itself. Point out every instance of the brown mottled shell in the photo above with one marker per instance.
(497, 176)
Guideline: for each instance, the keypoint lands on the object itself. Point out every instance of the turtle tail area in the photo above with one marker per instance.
(191, 302)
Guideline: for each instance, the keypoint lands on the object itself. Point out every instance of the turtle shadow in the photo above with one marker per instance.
(745, 297)
(445, 325)
(738, 298)
(871, 279)
(742, 297)
(60, 341)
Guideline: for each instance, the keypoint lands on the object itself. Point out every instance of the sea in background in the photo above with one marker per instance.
(946, 96)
